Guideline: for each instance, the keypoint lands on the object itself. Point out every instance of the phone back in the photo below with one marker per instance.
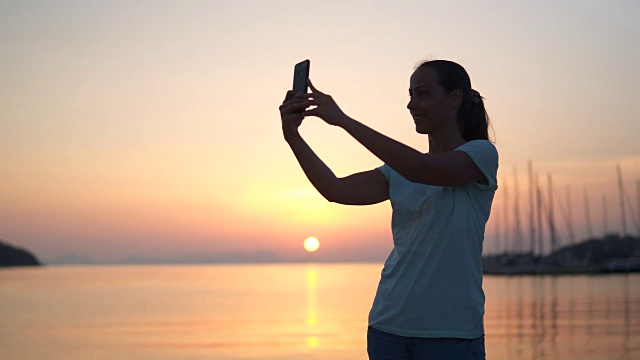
(300, 76)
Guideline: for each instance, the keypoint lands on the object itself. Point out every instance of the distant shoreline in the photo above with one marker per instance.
(610, 254)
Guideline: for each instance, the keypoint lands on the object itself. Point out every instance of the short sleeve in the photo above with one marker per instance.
(385, 170)
(484, 154)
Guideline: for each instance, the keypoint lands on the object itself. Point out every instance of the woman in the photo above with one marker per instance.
(429, 303)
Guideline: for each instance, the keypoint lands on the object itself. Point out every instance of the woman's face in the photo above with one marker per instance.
(433, 109)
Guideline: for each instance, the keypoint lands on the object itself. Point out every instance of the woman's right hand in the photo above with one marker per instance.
(291, 112)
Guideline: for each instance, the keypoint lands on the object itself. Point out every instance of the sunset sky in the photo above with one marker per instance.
(151, 128)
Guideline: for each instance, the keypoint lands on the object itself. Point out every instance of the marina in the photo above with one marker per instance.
(544, 251)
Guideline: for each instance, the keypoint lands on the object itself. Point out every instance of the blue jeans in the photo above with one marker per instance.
(385, 346)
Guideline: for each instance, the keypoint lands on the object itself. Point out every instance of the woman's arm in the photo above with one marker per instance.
(454, 168)
(364, 188)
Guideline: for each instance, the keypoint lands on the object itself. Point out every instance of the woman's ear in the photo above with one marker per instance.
(456, 98)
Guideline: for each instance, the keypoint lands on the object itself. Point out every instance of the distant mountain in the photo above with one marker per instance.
(13, 256)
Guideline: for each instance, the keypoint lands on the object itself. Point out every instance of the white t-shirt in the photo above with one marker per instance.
(431, 283)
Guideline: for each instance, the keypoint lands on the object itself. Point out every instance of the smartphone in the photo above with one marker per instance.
(300, 76)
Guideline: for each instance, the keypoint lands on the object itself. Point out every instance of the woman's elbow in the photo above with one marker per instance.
(331, 198)
(337, 198)
(331, 195)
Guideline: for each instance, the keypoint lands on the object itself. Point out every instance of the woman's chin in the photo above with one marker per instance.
(421, 130)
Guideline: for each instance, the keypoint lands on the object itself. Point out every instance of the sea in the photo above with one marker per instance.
(289, 311)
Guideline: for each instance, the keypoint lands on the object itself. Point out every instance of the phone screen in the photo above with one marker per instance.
(300, 76)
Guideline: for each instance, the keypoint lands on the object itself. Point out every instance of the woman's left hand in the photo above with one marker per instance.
(325, 107)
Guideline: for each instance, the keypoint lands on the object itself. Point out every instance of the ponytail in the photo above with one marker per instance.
(473, 119)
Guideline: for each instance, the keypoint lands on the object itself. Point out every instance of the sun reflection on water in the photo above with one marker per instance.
(312, 341)
(312, 306)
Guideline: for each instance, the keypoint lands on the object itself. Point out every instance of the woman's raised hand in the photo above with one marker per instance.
(296, 106)
(325, 107)
(291, 112)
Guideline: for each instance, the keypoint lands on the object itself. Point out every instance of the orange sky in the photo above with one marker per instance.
(153, 129)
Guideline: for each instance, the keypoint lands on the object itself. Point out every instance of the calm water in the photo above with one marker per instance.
(288, 311)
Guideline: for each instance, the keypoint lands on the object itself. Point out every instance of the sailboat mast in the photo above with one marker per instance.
(552, 228)
(587, 213)
(572, 235)
(623, 216)
(506, 234)
(605, 227)
(498, 232)
(532, 226)
(518, 237)
(539, 217)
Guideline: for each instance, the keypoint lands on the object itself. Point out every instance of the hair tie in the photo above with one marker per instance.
(475, 96)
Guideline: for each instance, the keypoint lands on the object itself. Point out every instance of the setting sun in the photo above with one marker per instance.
(311, 244)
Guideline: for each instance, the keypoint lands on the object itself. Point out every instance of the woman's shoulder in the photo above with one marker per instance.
(482, 146)
(484, 154)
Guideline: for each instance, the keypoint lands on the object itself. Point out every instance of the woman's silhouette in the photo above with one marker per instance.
(429, 303)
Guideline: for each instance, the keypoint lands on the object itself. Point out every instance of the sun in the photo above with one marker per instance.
(311, 244)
